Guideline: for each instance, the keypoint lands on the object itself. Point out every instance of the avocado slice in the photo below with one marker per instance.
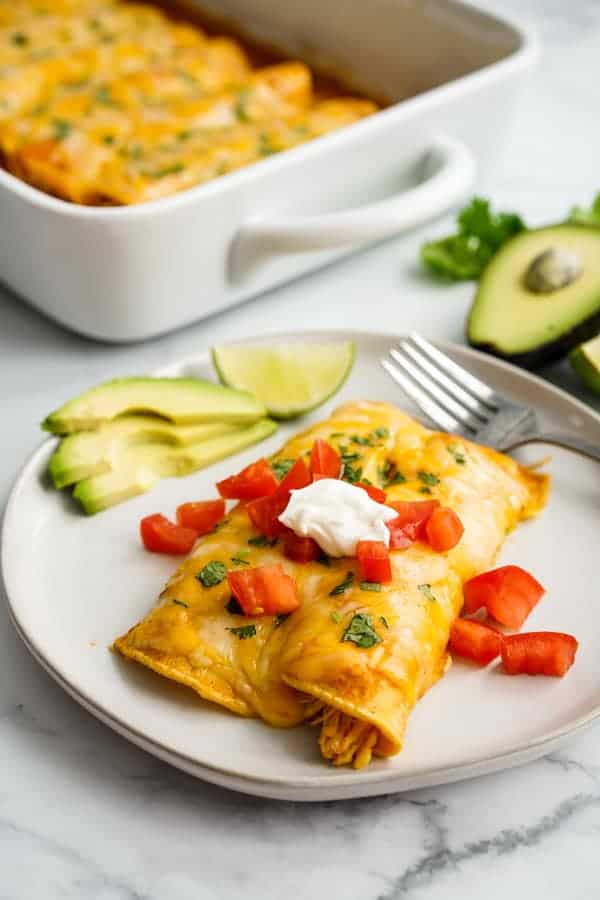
(137, 468)
(182, 401)
(585, 360)
(88, 453)
(532, 306)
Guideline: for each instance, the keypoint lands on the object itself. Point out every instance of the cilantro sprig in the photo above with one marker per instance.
(360, 631)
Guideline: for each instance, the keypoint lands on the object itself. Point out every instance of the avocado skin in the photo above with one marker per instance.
(549, 352)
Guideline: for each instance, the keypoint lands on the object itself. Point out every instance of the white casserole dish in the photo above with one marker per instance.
(130, 273)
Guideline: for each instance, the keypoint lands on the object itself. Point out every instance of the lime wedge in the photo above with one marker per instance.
(289, 379)
(585, 359)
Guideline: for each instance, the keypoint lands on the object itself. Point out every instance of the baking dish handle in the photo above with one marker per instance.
(453, 168)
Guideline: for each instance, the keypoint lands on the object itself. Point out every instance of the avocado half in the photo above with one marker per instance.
(529, 327)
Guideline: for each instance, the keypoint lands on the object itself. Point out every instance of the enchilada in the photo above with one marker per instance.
(350, 658)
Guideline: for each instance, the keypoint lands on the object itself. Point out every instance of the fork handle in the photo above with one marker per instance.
(558, 439)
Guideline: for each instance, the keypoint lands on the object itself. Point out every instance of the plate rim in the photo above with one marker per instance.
(343, 785)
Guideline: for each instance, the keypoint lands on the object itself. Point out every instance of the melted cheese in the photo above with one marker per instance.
(110, 102)
(301, 670)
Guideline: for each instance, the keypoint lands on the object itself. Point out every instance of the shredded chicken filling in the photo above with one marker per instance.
(345, 740)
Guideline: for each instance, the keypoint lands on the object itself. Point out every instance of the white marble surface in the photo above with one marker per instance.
(85, 815)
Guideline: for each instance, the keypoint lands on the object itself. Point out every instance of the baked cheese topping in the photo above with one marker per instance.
(114, 103)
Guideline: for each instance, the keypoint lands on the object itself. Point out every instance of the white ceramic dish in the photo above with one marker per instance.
(130, 273)
(74, 584)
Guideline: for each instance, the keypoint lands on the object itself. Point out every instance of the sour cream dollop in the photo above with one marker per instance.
(337, 516)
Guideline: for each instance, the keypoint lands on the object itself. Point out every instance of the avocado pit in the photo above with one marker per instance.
(552, 270)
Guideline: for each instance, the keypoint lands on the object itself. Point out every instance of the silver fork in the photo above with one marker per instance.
(456, 401)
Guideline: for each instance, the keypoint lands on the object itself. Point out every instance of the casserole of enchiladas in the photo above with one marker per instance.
(350, 658)
(109, 103)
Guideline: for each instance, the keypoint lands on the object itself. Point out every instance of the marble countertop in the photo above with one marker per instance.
(83, 814)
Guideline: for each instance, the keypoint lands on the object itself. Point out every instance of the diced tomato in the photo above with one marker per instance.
(256, 480)
(202, 516)
(539, 653)
(325, 461)
(410, 523)
(375, 493)
(264, 590)
(475, 641)
(443, 529)
(159, 535)
(298, 477)
(374, 561)
(300, 549)
(264, 513)
(508, 594)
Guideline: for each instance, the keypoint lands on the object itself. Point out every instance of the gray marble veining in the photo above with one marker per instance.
(86, 816)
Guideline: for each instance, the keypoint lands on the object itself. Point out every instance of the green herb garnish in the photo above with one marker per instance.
(280, 619)
(455, 451)
(343, 585)
(108, 139)
(243, 631)
(62, 129)
(361, 632)
(481, 233)
(425, 490)
(265, 145)
(382, 433)
(384, 621)
(389, 475)
(240, 558)
(579, 215)
(337, 434)
(362, 441)
(241, 105)
(183, 135)
(104, 96)
(281, 467)
(261, 541)
(336, 617)
(351, 473)
(181, 603)
(19, 39)
(213, 573)
(370, 586)
(428, 478)
(427, 592)
(173, 169)
(348, 457)
(232, 606)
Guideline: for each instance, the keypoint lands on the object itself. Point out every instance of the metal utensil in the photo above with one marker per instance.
(457, 401)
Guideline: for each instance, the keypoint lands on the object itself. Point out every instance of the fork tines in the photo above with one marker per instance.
(450, 396)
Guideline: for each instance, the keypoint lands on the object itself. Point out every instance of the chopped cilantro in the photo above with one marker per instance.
(455, 451)
(343, 585)
(240, 558)
(183, 135)
(265, 145)
(362, 441)
(241, 106)
(428, 478)
(384, 621)
(427, 592)
(261, 541)
(389, 475)
(281, 467)
(480, 235)
(361, 632)
(425, 490)
(19, 39)
(180, 603)
(280, 619)
(232, 606)
(173, 169)
(187, 77)
(382, 432)
(348, 457)
(243, 631)
(337, 434)
(62, 129)
(351, 473)
(108, 139)
(104, 96)
(213, 573)
(370, 586)
(336, 617)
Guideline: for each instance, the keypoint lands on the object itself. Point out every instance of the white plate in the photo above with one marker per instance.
(75, 583)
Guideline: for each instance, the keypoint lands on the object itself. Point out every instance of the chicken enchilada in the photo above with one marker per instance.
(260, 620)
